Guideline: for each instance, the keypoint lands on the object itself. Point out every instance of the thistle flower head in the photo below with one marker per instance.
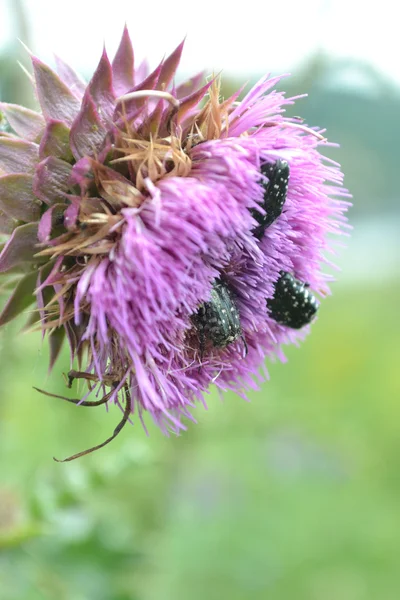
(152, 226)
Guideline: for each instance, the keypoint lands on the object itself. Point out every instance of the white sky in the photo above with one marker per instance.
(244, 38)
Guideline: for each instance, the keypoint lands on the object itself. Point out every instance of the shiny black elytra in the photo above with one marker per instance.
(275, 192)
(292, 304)
(218, 321)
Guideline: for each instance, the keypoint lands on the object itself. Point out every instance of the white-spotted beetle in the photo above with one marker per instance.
(275, 192)
(217, 320)
(292, 304)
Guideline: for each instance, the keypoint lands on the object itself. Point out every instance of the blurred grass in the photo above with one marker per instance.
(295, 494)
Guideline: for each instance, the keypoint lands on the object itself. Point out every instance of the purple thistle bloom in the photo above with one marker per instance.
(131, 207)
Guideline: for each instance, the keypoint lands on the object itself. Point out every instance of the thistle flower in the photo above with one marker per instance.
(151, 225)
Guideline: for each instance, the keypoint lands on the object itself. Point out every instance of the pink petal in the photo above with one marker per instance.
(52, 217)
(192, 101)
(17, 156)
(123, 65)
(87, 131)
(20, 248)
(55, 141)
(26, 123)
(17, 199)
(49, 274)
(72, 212)
(169, 67)
(125, 109)
(44, 230)
(51, 179)
(150, 83)
(71, 78)
(56, 99)
(187, 88)
(101, 89)
(141, 72)
(82, 174)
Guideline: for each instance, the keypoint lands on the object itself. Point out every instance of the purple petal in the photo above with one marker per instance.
(87, 131)
(191, 101)
(128, 107)
(17, 199)
(26, 123)
(82, 174)
(187, 88)
(257, 106)
(39, 293)
(123, 65)
(72, 212)
(141, 71)
(20, 248)
(150, 83)
(55, 141)
(101, 89)
(169, 67)
(22, 297)
(51, 179)
(53, 216)
(17, 156)
(49, 275)
(56, 99)
(71, 78)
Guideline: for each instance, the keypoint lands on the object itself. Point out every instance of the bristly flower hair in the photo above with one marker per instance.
(173, 239)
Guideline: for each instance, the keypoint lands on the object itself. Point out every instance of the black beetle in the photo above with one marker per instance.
(275, 192)
(217, 320)
(292, 304)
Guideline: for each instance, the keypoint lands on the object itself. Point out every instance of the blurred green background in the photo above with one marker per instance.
(293, 495)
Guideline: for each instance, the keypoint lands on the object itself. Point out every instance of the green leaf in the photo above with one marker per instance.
(22, 297)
